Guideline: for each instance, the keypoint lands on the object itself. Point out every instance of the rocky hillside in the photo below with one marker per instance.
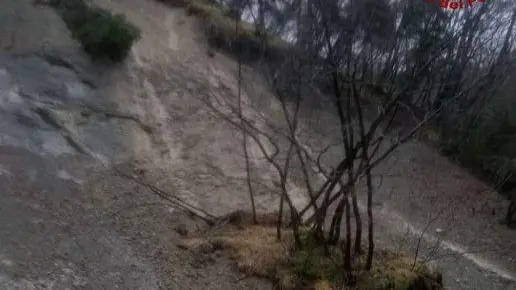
(65, 123)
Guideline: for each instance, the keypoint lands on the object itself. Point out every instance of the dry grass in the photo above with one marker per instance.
(256, 251)
(322, 285)
(254, 248)
(394, 271)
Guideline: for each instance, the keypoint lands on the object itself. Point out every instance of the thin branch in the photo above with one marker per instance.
(174, 200)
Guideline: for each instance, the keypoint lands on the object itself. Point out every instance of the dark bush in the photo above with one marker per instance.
(102, 35)
(487, 145)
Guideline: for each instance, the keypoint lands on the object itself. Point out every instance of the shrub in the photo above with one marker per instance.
(221, 33)
(257, 251)
(491, 147)
(107, 36)
(486, 147)
(102, 35)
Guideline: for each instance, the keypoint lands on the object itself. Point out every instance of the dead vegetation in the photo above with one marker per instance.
(255, 250)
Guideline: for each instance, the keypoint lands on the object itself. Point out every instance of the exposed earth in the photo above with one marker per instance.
(69, 221)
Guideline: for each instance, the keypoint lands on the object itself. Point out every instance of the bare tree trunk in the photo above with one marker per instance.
(280, 216)
(370, 224)
(284, 195)
(348, 266)
(261, 17)
(249, 183)
(294, 215)
(319, 220)
(358, 222)
(335, 227)
(295, 227)
(244, 139)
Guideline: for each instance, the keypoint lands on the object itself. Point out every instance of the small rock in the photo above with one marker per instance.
(206, 248)
(7, 263)
(182, 230)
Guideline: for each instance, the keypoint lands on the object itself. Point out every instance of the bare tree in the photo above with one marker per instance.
(369, 64)
(244, 133)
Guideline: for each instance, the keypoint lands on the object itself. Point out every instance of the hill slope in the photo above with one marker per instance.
(146, 116)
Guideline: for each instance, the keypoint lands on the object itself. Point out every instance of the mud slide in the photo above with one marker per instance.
(65, 122)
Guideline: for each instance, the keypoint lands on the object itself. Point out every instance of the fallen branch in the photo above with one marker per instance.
(174, 200)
